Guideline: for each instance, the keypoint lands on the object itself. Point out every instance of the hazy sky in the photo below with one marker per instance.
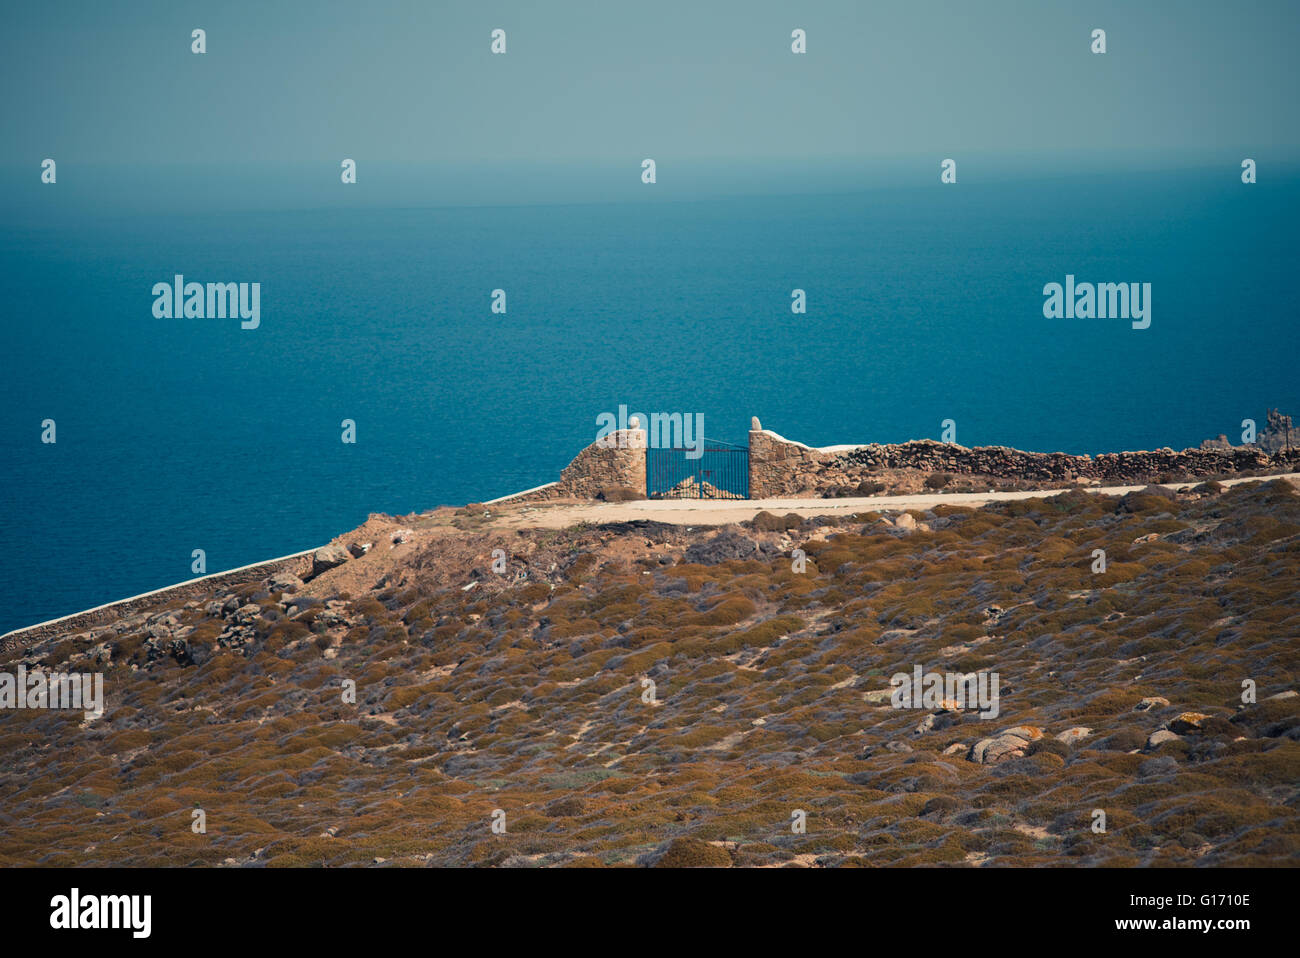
(595, 80)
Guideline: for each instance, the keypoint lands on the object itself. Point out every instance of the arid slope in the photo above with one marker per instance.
(525, 691)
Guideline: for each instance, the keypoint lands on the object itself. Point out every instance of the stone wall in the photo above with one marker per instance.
(614, 463)
(299, 564)
(779, 467)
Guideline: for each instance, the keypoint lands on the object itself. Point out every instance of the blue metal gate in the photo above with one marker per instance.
(720, 472)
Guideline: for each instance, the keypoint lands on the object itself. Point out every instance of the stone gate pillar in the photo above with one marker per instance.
(757, 447)
(613, 463)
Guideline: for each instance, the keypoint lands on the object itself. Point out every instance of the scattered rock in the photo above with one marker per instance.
(1161, 765)
(725, 546)
(1151, 702)
(890, 746)
(1028, 732)
(1073, 735)
(247, 614)
(1160, 736)
(332, 617)
(284, 582)
(993, 614)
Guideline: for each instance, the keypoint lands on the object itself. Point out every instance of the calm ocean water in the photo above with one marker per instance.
(924, 304)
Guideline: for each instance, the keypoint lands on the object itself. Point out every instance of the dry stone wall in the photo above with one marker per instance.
(779, 467)
(298, 564)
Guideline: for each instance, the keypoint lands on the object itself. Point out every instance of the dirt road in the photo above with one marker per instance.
(719, 512)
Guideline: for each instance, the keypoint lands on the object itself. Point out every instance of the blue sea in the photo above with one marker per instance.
(925, 303)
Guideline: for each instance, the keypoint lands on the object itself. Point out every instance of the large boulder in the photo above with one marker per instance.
(1073, 736)
(328, 558)
(1000, 748)
(1159, 737)
(1029, 733)
(1188, 722)
(284, 582)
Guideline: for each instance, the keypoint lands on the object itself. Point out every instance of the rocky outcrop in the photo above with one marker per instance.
(1278, 435)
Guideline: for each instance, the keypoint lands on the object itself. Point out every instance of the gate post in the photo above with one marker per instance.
(756, 490)
(635, 463)
(614, 462)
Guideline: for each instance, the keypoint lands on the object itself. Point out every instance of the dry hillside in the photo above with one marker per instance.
(524, 691)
